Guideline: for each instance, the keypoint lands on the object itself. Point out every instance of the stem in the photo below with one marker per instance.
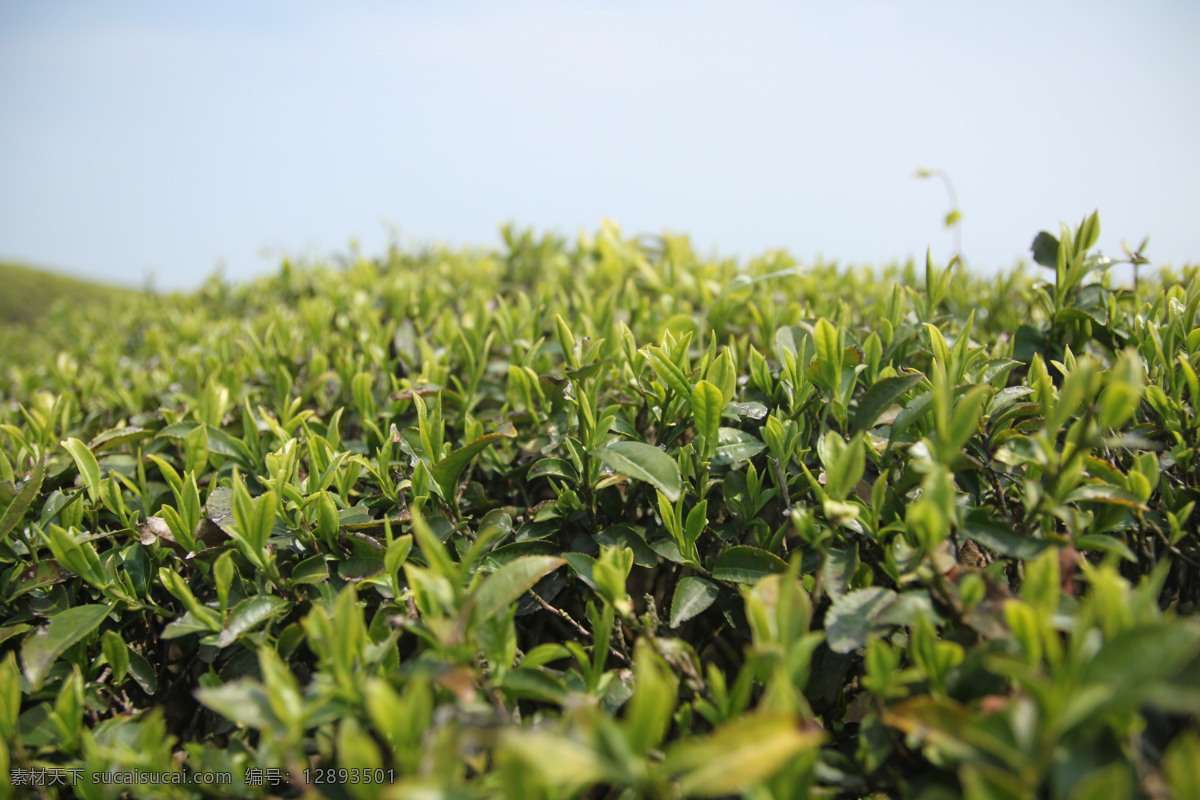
(780, 479)
(925, 173)
(574, 624)
(585, 439)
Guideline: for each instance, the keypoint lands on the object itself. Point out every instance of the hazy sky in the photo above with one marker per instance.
(167, 138)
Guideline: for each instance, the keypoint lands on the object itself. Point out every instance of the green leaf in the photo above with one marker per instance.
(177, 586)
(116, 653)
(507, 584)
(10, 696)
(16, 509)
(829, 354)
(656, 691)
(40, 575)
(244, 701)
(435, 553)
(117, 437)
(644, 462)
(1001, 538)
(723, 375)
(882, 395)
(219, 509)
(143, 673)
(697, 520)
(544, 654)
(795, 340)
(622, 535)
(753, 410)
(1104, 493)
(89, 470)
(81, 559)
(554, 468)
(1045, 250)
(1181, 766)
(557, 760)
(447, 471)
(706, 410)
(965, 421)
(921, 405)
(249, 614)
(743, 564)
(853, 617)
(43, 647)
(1122, 393)
(219, 441)
(535, 684)
(692, 596)
(735, 446)
(1105, 544)
(844, 464)
(396, 554)
(254, 517)
(1136, 659)
(1088, 233)
(1077, 389)
(667, 371)
(739, 754)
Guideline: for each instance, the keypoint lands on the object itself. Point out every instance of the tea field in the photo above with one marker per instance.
(29, 294)
(602, 518)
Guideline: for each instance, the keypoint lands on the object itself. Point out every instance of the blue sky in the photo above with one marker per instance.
(168, 138)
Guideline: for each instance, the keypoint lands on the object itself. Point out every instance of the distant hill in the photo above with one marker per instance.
(28, 293)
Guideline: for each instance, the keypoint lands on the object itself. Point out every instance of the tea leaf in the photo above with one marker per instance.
(692, 596)
(16, 509)
(43, 647)
(746, 565)
(853, 617)
(508, 583)
(739, 754)
(644, 462)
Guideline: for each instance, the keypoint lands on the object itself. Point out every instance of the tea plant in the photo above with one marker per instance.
(602, 518)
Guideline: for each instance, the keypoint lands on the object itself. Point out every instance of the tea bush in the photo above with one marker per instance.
(606, 519)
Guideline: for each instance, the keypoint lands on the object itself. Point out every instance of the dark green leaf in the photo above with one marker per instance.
(507, 584)
(1105, 544)
(743, 564)
(555, 468)
(117, 437)
(534, 684)
(1001, 537)
(1104, 493)
(854, 616)
(624, 535)
(692, 596)
(143, 673)
(43, 647)
(248, 615)
(89, 470)
(245, 701)
(1045, 249)
(734, 446)
(644, 462)
(880, 397)
(751, 410)
(16, 509)
(447, 471)
(218, 441)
